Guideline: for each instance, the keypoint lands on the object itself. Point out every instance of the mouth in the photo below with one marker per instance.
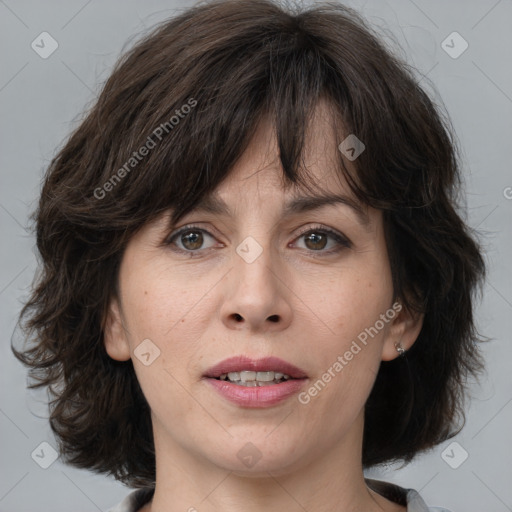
(248, 372)
(253, 379)
(255, 383)
(270, 380)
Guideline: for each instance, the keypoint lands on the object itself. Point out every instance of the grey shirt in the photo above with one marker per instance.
(409, 497)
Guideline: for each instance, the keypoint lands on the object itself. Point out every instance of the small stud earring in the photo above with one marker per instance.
(401, 350)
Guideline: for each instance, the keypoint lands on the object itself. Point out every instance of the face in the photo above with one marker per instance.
(311, 287)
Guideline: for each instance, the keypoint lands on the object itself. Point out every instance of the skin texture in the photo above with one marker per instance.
(201, 310)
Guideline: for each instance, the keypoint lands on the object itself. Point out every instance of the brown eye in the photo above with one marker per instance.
(323, 241)
(315, 241)
(192, 240)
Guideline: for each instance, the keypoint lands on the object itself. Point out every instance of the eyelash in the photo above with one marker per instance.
(343, 243)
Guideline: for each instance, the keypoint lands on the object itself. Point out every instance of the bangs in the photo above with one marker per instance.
(196, 105)
(192, 153)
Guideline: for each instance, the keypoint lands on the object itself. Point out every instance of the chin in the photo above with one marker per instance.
(256, 456)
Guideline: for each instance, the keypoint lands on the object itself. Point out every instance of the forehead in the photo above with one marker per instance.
(257, 180)
(259, 170)
(319, 162)
(298, 203)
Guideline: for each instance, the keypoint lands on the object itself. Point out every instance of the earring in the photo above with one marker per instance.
(401, 350)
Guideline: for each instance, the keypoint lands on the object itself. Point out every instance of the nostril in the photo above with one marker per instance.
(274, 318)
(238, 317)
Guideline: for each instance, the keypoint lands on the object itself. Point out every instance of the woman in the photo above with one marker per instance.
(255, 281)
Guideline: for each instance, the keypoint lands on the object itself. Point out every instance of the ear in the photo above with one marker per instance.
(405, 329)
(115, 334)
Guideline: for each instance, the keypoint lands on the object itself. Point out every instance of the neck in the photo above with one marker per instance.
(329, 481)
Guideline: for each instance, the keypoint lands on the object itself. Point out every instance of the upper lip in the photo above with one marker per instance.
(266, 364)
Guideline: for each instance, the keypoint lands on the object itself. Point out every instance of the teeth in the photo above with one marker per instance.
(247, 376)
(265, 376)
(252, 379)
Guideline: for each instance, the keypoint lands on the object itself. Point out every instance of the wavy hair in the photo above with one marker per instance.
(233, 62)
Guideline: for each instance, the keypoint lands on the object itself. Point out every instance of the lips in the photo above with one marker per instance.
(266, 364)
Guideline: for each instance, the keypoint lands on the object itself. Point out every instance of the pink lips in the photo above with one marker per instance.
(261, 396)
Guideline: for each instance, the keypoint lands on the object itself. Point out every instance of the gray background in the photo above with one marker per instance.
(41, 101)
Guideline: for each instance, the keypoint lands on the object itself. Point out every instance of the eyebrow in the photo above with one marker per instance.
(214, 204)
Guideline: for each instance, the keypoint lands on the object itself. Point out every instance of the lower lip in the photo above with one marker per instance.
(259, 396)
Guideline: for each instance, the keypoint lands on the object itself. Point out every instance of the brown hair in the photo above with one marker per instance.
(233, 62)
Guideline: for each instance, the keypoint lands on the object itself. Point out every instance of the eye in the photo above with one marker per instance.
(189, 239)
(316, 239)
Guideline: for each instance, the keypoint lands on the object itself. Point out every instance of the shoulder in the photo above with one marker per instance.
(409, 498)
(134, 501)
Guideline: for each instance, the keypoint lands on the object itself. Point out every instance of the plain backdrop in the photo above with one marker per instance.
(40, 102)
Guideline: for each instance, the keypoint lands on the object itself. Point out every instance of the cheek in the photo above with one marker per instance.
(163, 306)
(149, 288)
(347, 314)
(350, 301)
(348, 352)
(166, 306)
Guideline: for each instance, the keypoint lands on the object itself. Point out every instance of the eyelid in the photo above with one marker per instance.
(340, 238)
(168, 240)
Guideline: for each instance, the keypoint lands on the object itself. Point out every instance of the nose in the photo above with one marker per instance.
(257, 294)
